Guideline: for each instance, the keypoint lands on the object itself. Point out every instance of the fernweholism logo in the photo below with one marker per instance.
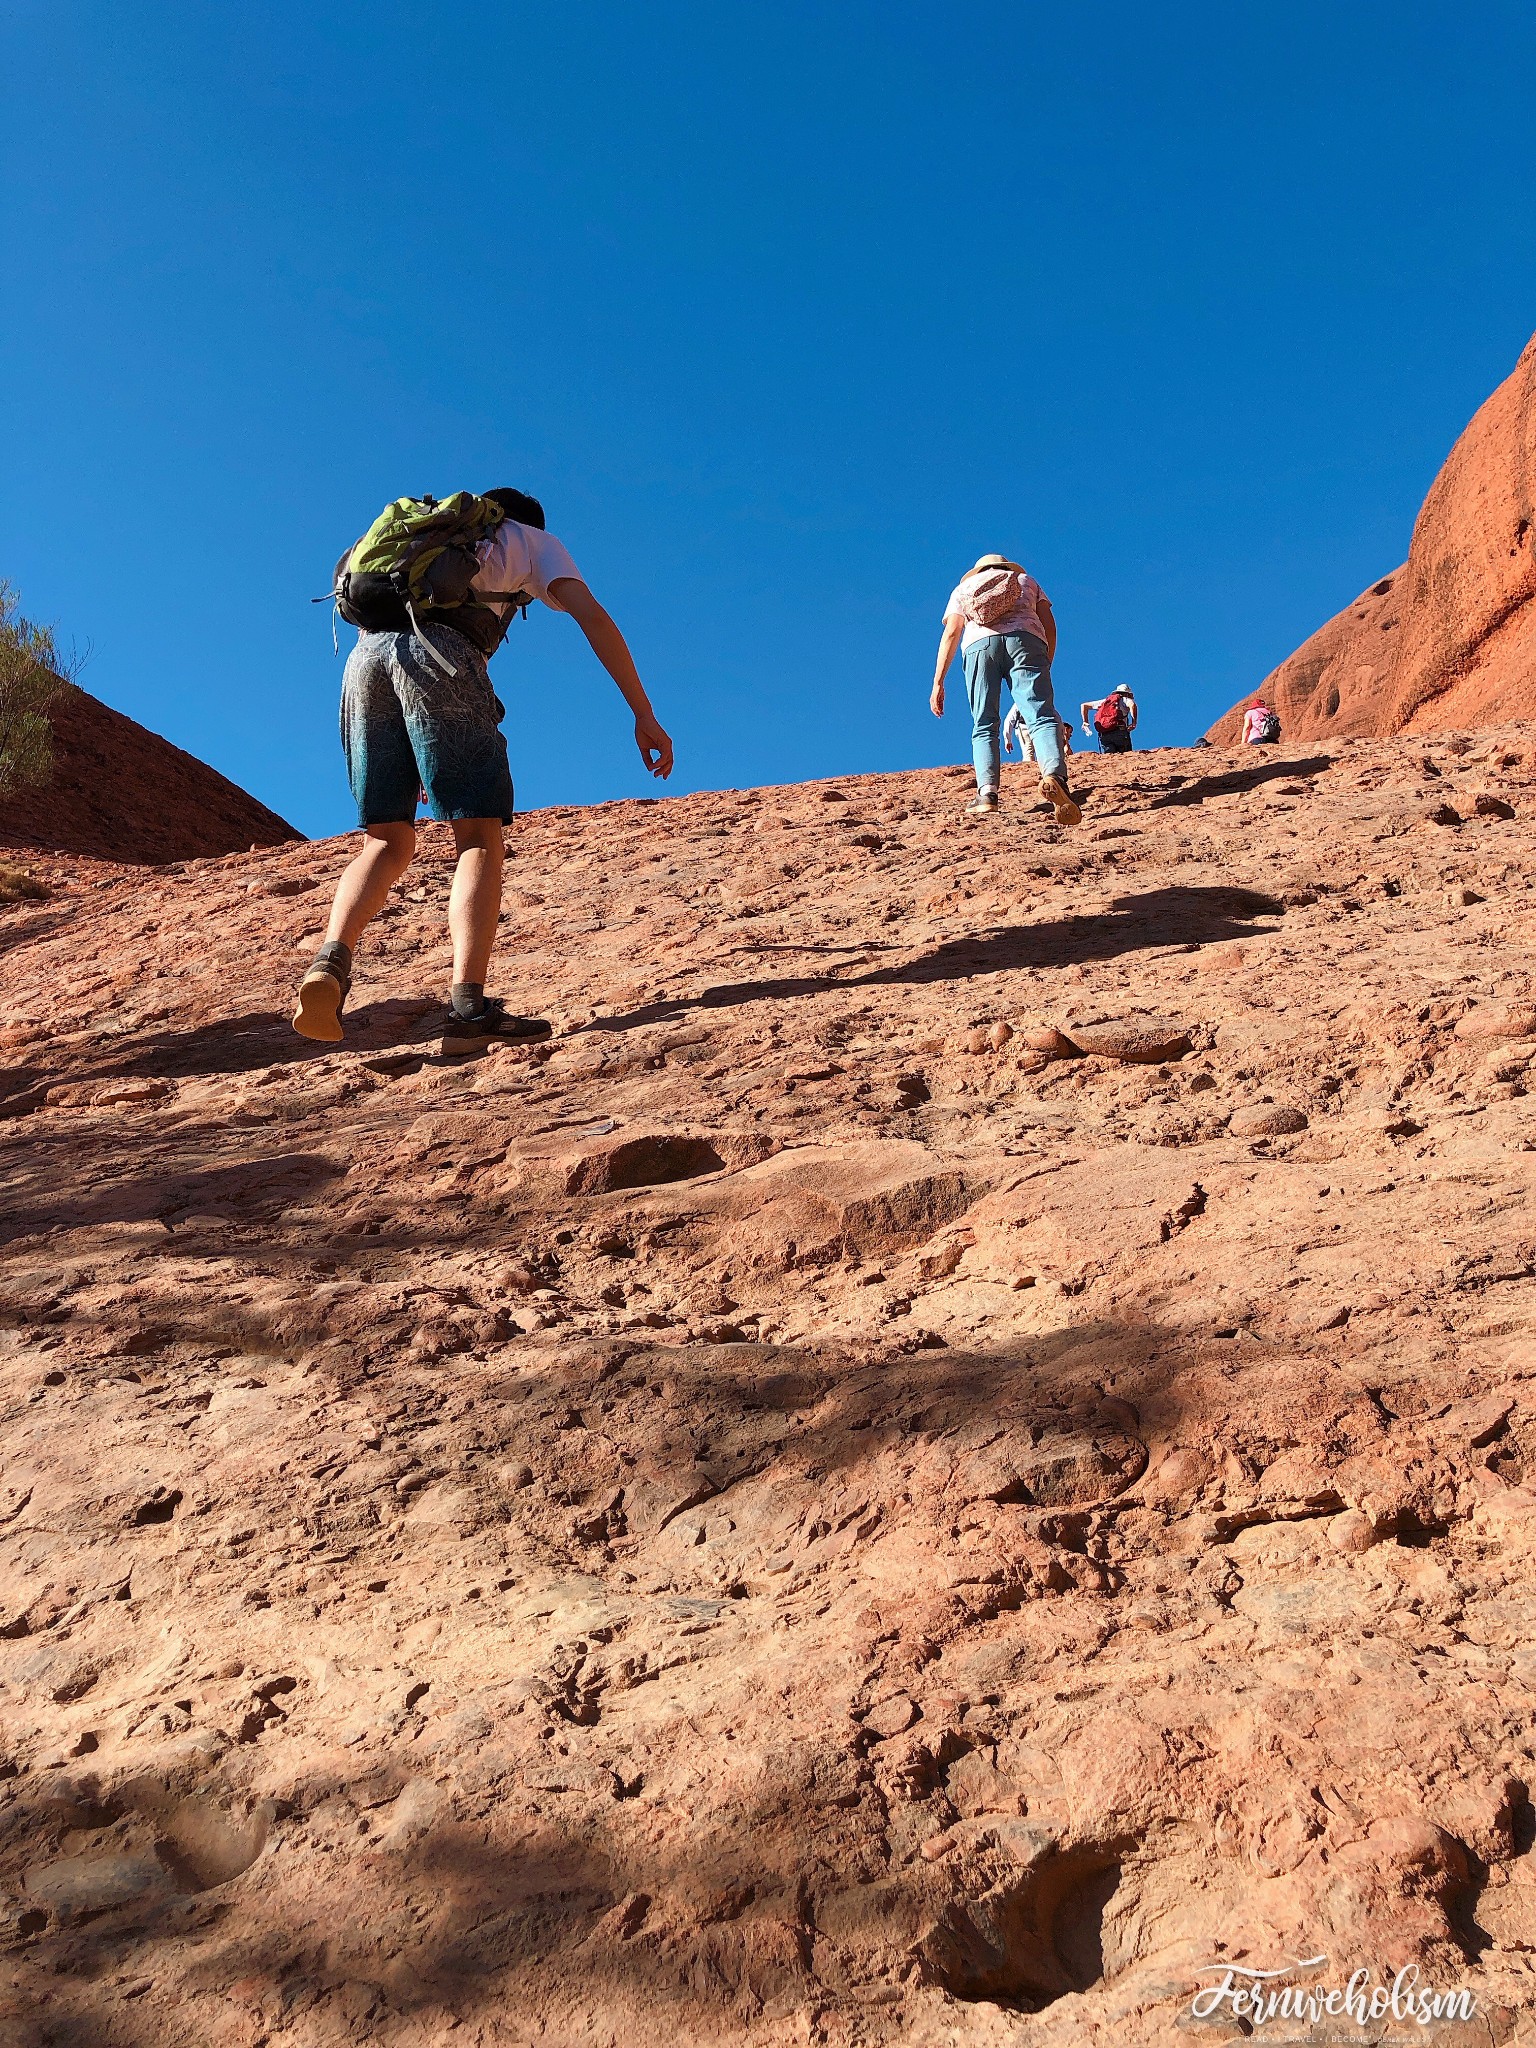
(1265, 1998)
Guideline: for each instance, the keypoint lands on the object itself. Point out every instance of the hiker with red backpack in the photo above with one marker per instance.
(432, 588)
(1001, 620)
(1114, 719)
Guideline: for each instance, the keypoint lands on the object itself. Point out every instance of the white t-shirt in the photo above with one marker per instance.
(518, 557)
(1025, 619)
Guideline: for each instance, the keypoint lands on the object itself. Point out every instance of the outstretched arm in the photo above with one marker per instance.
(608, 644)
(949, 640)
(1086, 711)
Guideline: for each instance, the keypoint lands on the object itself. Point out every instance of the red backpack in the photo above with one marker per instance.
(1110, 715)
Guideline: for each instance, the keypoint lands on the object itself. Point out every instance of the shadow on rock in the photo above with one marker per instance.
(1236, 781)
(1132, 924)
(252, 1191)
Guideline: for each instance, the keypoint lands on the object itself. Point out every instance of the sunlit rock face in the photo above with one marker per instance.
(954, 1454)
(1448, 640)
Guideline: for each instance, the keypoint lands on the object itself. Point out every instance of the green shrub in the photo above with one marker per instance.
(32, 676)
(17, 886)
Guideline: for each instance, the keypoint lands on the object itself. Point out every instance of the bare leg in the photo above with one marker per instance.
(367, 880)
(475, 902)
(360, 894)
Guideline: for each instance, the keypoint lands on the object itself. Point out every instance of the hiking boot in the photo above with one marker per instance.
(467, 1037)
(322, 993)
(1056, 794)
(982, 804)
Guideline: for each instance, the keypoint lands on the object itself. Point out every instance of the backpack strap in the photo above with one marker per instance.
(442, 660)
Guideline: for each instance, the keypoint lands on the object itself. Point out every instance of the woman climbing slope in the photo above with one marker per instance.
(1003, 624)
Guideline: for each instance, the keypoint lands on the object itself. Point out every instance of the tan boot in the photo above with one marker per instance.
(1055, 793)
(322, 993)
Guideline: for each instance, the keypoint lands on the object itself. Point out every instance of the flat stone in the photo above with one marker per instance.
(280, 885)
(124, 1094)
(1062, 1470)
(1267, 1120)
(1499, 1020)
(95, 1884)
(891, 1717)
(1144, 1041)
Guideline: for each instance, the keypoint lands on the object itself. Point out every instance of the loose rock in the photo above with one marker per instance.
(1267, 1120)
(1146, 1041)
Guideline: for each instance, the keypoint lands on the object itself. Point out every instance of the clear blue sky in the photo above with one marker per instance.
(787, 313)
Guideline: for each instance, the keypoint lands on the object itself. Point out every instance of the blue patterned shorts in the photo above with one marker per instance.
(406, 725)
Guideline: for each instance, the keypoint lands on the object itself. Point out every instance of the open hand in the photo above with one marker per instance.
(936, 700)
(655, 747)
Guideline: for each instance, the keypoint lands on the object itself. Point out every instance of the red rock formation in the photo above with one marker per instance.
(956, 1448)
(1448, 641)
(120, 792)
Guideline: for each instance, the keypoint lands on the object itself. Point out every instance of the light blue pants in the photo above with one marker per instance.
(1025, 661)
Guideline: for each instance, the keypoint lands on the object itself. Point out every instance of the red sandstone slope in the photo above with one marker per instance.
(804, 1510)
(1449, 639)
(120, 792)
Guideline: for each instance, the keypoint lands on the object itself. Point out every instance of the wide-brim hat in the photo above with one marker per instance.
(992, 562)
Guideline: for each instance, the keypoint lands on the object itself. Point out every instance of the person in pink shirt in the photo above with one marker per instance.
(1261, 725)
(1001, 620)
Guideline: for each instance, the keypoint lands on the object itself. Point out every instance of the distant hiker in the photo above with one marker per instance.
(1015, 731)
(1002, 621)
(1114, 719)
(1261, 725)
(432, 588)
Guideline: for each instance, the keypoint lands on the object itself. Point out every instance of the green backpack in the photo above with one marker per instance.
(416, 562)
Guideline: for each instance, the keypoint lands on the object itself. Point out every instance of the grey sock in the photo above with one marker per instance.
(468, 998)
(334, 954)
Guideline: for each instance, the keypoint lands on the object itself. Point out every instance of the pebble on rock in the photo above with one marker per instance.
(1046, 1038)
(1353, 1531)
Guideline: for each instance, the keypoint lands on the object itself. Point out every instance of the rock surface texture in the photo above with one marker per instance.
(1449, 639)
(121, 793)
(792, 1513)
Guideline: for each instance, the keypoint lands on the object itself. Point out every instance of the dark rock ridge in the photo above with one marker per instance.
(121, 793)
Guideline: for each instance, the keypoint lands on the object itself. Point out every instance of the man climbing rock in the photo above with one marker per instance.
(1002, 622)
(432, 589)
(1113, 719)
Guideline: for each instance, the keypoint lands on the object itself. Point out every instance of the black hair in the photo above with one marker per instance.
(519, 506)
